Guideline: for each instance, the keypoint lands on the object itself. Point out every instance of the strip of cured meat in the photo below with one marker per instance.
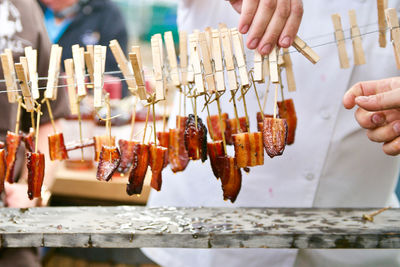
(156, 162)
(99, 142)
(214, 128)
(2, 168)
(231, 177)
(108, 163)
(13, 141)
(35, 165)
(126, 148)
(274, 136)
(57, 149)
(215, 150)
(163, 139)
(249, 150)
(234, 125)
(288, 112)
(177, 153)
(140, 163)
(196, 139)
(29, 140)
(260, 121)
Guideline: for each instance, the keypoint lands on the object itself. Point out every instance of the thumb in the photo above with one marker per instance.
(380, 101)
(237, 5)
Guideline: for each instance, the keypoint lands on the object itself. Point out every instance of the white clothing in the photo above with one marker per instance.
(331, 163)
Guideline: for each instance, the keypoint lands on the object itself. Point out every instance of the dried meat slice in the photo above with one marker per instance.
(2, 168)
(108, 163)
(99, 142)
(260, 120)
(35, 165)
(234, 125)
(231, 177)
(126, 148)
(274, 136)
(156, 162)
(163, 139)
(140, 163)
(177, 153)
(13, 141)
(288, 112)
(57, 149)
(214, 127)
(29, 140)
(196, 139)
(215, 150)
(249, 150)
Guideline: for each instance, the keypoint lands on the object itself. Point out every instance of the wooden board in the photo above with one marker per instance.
(129, 227)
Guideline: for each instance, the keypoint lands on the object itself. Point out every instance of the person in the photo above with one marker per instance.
(85, 22)
(331, 163)
(21, 25)
(378, 111)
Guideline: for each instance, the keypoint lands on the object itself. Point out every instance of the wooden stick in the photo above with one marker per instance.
(145, 124)
(37, 127)
(50, 114)
(221, 125)
(370, 217)
(266, 95)
(135, 101)
(245, 109)
(108, 120)
(80, 124)
(165, 115)
(275, 99)
(233, 94)
(154, 123)
(340, 41)
(255, 91)
(382, 5)
(195, 111)
(18, 115)
(33, 120)
(358, 50)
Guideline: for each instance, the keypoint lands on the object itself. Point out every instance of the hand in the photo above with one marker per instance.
(16, 196)
(379, 103)
(269, 22)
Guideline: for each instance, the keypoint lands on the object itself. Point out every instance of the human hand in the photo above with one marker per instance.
(378, 112)
(16, 196)
(269, 22)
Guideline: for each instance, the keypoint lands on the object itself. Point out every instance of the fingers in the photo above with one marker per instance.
(380, 101)
(248, 11)
(385, 133)
(358, 89)
(260, 22)
(292, 24)
(370, 120)
(237, 5)
(392, 148)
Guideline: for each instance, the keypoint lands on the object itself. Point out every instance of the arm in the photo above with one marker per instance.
(269, 22)
(378, 111)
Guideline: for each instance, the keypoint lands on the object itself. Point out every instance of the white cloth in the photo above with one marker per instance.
(331, 164)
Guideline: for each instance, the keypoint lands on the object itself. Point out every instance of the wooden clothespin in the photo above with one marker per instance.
(98, 76)
(208, 68)
(289, 70)
(240, 57)
(304, 49)
(273, 65)
(24, 63)
(135, 58)
(22, 77)
(173, 63)
(217, 57)
(89, 61)
(183, 56)
(196, 63)
(123, 64)
(69, 71)
(7, 63)
(382, 5)
(190, 73)
(79, 70)
(228, 55)
(258, 67)
(208, 32)
(157, 68)
(393, 23)
(340, 41)
(358, 50)
(54, 72)
(31, 57)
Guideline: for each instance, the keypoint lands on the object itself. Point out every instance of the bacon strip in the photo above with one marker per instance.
(2, 168)
(163, 139)
(274, 136)
(57, 149)
(288, 112)
(213, 124)
(99, 142)
(13, 142)
(231, 177)
(215, 150)
(29, 140)
(260, 121)
(35, 165)
(234, 125)
(140, 163)
(126, 147)
(156, 162)
(196, 139)
(108, 163)
(177, 153)
(249, 150)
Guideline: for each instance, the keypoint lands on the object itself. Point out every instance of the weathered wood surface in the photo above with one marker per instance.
(127, 226)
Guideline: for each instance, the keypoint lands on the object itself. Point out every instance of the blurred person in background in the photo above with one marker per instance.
(21, 25)
(86, 22)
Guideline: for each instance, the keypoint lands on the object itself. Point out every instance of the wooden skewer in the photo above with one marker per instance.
(145, 124)
(165, 114)
(18, 115)
(245, 109)
(195, 111)
(78, 105)
(266, 94)
(50, 114)
(33, 120)
(370, 217)
(154, 121)
(255, 91)
(221, 125)
(108, 120)
(276, 99)
(233, 93)
(37, 127)
(133, 116)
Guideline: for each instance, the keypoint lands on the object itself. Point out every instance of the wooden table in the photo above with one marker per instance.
(83, 184)
(132, 227)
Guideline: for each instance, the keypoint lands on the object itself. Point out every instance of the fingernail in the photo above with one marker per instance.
(244, 29)
(363, 98)
(285, 42)
(378, 119)
(266, 49)
(396, 127)
(253, 44)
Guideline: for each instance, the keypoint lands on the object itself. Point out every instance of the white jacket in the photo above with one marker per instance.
(331, 164)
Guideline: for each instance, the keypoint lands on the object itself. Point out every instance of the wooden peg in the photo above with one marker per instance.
(136, 49)
(340, 41)
(240, 57)
(53, 73)
(273, 65)
(289, 70)
(258, 67)
(24, 63)
(358, 50)
(89, 61)
(266, 66)
(208, 68)
(217, 57)
(69, 71)
(31, 56)
(21, 74)
(98, 76)
(7, 63)
(137, 71)
(157, 68)
(195, 56)
(173, 63)
(79, 70)
(228, 55)
(122, 64)
(393, 23)
(304, 49)
(382, 5)
(190, 73)
(208, 32)
(183, 56)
